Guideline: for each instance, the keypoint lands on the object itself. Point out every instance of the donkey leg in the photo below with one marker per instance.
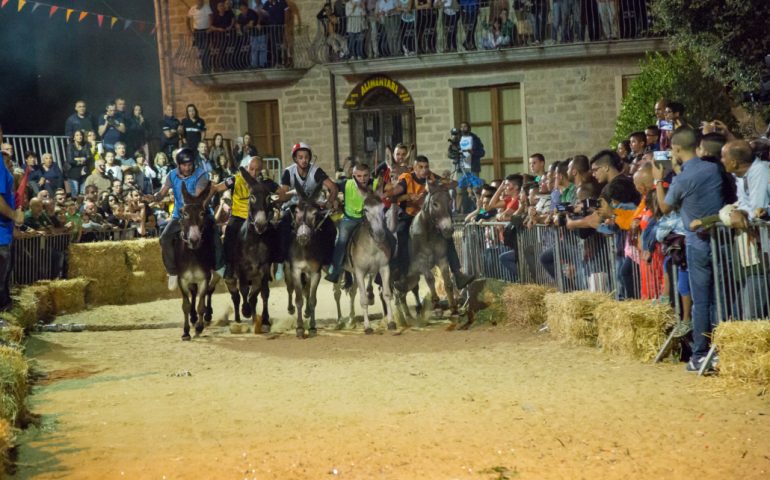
(337, 296)
(315, 278)
(289, 276)
(186, 311)
(232, 287)
(450, 290)
(243, 283)
(431, 281)
(352, 291)
(265, 327)
(200, 322)
(369, 292)
(416, 293)
(386, 296)
(361, 282)
(298, 300)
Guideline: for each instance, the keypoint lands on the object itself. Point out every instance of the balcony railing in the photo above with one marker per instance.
(261, 48)
(441, 31)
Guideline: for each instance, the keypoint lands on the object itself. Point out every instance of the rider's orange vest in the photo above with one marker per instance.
(412, 186)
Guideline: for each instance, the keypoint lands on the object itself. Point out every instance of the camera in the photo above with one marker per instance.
(453, 151)
(567, 210)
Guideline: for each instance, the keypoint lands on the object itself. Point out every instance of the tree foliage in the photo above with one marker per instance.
(728, 38)
(676, 77)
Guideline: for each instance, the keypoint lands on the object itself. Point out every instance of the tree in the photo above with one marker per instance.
(676, 77)
(728, 38)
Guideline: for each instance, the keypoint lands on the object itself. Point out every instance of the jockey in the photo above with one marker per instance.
(310, 178)
(412, 185)
(240, 209)
(195, 180)
(354, 194)
(398, 164)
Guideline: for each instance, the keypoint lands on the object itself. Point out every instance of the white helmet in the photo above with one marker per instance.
(300, 146)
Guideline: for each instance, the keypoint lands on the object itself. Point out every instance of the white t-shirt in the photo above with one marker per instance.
(200, 16)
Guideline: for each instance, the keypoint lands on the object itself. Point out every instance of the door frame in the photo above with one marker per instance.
(380, 111)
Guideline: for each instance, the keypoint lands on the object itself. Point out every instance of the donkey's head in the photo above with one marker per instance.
(308, 217)
(374, 212)
(194, 217)
(437, 208)
(260, 207)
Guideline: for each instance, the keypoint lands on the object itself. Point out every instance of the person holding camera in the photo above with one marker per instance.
(111, 127)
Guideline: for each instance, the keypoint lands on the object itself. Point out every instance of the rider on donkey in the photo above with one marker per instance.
(195, 180)
(240, 207)
(308, 177)
(354, 194)
(412, 185)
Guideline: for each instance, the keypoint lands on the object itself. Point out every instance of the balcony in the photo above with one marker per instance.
(437, 41)
(257, 56)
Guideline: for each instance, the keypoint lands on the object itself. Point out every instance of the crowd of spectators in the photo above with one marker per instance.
(654, 195)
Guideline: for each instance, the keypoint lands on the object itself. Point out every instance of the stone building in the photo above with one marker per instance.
(558, 99)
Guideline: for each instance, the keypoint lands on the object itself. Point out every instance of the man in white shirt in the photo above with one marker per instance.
(752, 177)
(199, 21)
(391, 22)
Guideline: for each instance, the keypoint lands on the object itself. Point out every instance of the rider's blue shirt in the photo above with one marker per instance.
(194, 183)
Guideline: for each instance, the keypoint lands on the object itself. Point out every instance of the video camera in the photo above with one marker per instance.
(453, 152)
(565, 210)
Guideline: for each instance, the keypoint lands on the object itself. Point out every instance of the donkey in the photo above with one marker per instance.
(195, 261)
(256, 239)
(369, 252)
(430, 229)
(306, 257)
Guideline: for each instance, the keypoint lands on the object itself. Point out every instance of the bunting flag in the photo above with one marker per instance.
(141, 25)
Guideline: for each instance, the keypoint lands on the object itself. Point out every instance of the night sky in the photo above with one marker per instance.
(47, 64)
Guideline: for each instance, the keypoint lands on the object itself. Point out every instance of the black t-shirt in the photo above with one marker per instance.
(223, 21)
(193, 131)
(169, 124)
(250, 16)
(320, 176)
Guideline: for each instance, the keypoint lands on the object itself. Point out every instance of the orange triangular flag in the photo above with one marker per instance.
(99, 20)
(82, 16)
(52, 11)
(21, 4)
(113, 21)
(69, 12)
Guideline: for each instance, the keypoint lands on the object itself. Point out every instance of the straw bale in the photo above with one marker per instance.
(24, 311)
(13, 383)
(485, 301)
(42, 291)
(7, 441)
(146, 286)
(744, 351)
(12, 333)
(634, 328)
(570, 316)
(69, 296)
(105, 263)
(524, 304)
(143, 255)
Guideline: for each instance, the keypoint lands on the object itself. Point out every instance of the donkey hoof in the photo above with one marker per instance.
(392, 325)
(300, 333)
(312, 332)
(369, 331)
(264, 328)
(246, 310)
(207, 317)
(291, 309)
(186, 337)
(198, 330)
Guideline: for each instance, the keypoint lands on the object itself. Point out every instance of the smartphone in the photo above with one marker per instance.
(661, 155)
(666, 125)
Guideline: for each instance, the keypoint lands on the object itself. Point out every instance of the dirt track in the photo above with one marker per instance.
(488, 403)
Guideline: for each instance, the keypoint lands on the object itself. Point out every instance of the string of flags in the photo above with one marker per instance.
(81, 15)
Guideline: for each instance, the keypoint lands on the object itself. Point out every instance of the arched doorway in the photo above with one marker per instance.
(381, 113)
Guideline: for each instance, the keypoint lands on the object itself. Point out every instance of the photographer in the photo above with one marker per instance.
(471, 147)
(111, 127)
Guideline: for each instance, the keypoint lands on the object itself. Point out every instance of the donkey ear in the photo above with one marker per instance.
(188, 199)
(380, 185)
(247, 176)
(205, 193)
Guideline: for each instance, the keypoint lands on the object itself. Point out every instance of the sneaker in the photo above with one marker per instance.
(172, 282)
(682, 328)
(332, 277)
(279, 273)
(694, 365)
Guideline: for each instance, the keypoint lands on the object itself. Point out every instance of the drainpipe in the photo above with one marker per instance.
(161, 37)
(335, 140)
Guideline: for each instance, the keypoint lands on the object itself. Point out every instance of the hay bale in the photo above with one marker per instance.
(69, 296)
(42, 291)
(12, 333)
(633, 328)
(146, 287)
(485, 304)
(13, 384)
(7, 441)
(24, 311)
(143, 255)
(744, 351)
(105, 263)
(524, 304)
(570, 316)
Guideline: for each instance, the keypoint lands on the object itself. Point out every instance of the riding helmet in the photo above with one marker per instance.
(300, 146)
(185, 155)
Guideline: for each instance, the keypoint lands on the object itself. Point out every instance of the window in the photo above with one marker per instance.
(264, 126)
(495, 116)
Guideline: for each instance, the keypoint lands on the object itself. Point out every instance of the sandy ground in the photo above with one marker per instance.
(490, 403)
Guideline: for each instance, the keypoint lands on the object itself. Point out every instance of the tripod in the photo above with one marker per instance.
(461, 201)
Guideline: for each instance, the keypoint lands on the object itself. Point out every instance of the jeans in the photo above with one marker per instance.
(559, 15)
(344, 229)
(470, 19)
(608, 15)
(392, 40)
(629, 271)
(372, 50)
(171, 232)
(74, 187)
(258, 51)
(509, 260)
(450, 32)
(231, 244)
(356, 44)
(701, 272)
(548, 262)
(540, 13)
(201, 42)
(6, 269)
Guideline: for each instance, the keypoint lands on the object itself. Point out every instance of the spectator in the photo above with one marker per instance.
(224, 167)
(652, 136)
(752, 181)
(373, 49)
(494, 37)
(52, 176)
(624, 151)
(339, 11)
(408, 33)
(638, 143)
(120, 157)
(79, 162)
(246, 150)
(559, 20)
(221, 37)
(137, 131)
(355, 17)
(80, 120)
(94, 146)
(120, 109)
(387, 15)
(276, 15)
(7, 150)
(35, 219)
(193, 126)
(426, 26)
(35, 173)
(60, 197)
(111, 127)
(696, 192)
(485, 210)
(145, 174)
(116, 188)
(335, 41)
(609, 18)
(506, 199)
(252, 26)
(199, 20)
(451, 15)
(469, 10)
(112, 169)
(202, 157)
(522, 12)
(675, 115)
(8, 216)
(217, 148)
(539, 19)
(170, 129)
(162, 167)
(537, 165)
(73, 221)
(472, 147)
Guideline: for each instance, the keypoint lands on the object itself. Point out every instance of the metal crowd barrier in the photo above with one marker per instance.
(40, 144)
(254, 48)
(445, 30)
(583, 262)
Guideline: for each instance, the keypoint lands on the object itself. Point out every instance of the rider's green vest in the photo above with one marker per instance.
(354, 201)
